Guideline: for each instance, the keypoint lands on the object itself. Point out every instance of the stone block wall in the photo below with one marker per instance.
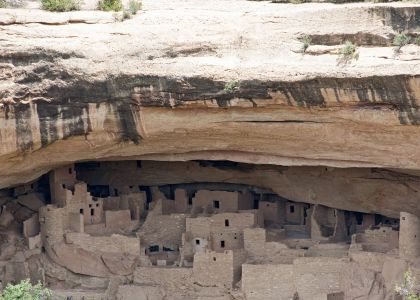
(268, 282)
(219, 201)
(117, 219)
(223, 240)
(220, 269)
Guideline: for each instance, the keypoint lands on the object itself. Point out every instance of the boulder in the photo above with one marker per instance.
(32, 201)
(6, 218)
(80, 261)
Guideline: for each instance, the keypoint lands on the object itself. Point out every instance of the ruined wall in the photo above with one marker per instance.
(163, 229)
(382, 239)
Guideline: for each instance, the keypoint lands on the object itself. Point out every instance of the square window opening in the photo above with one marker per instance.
(291, 209)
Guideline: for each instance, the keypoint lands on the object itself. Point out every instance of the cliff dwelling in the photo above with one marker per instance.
(188, 228)
(210, 150)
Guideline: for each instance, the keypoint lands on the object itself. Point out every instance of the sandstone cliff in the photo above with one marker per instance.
(219, 80)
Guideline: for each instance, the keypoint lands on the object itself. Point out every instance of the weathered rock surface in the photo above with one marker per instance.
(74, 87)
(79, 260)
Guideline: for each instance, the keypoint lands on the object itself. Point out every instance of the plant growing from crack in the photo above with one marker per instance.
(400, 40)
(348, 52)
(231, 87)
(306, 42)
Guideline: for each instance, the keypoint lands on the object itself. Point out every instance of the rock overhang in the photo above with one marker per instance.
(155, 87)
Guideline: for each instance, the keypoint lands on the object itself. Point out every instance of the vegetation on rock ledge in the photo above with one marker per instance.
(306, 42)
(231, 87)
(110, 5)
(134, 6)
(348, 52)
(60, 5)
(400, 40)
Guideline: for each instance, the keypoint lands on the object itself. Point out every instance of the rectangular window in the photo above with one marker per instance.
(227, 223)
(292, 209)
(81, 211)
(216, 204)
(189, 201)
(92, 212)
(154, 248)
(70, 170)
(139, 164)
(222, 244)
(197, 242)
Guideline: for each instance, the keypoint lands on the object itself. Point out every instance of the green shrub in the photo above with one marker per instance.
(400, 40)
(348, 49)
(306, 42)
(134, 6)
(406, 289)
(231, 87)
(109, 5)
(25, 291)
(417, 41)
(3, 3)
(60, 5)
(347, 53)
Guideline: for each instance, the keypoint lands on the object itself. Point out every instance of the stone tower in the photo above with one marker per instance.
(409, 240)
